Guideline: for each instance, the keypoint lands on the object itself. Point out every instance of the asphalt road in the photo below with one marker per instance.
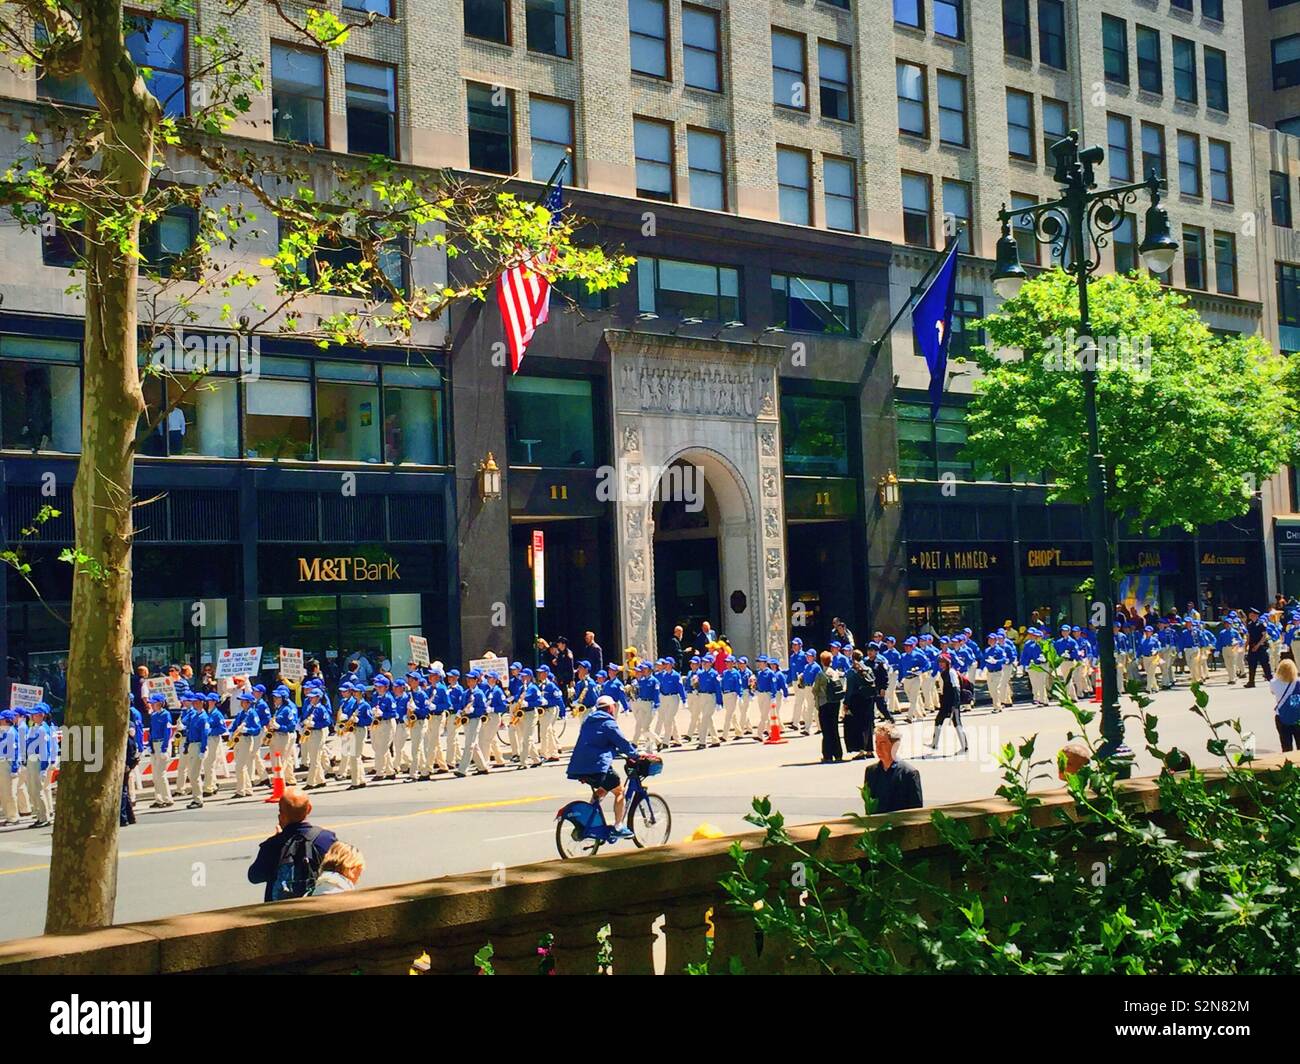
(180, 860)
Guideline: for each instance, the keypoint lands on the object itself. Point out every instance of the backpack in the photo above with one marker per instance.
(295, 875)
(966, 689)
(835, 687)
(1288, 706)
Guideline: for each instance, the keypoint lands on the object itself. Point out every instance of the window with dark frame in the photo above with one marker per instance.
(648, 26)
(1056, 126)
(1114, 49)
(1020, 125)
(551, 129)
(1280, 196)
(1184, 70)
(1153, 151)
(1288, 306)
(1220, 171)
(1119, 137)
(1225, 263)
(957, 214)
(840, 184)
(1189, 163)
(948, 19)
(966, 310)
(488, 20)
(298, 95)
(909, 13)
(1015, 29)
(706, 161)
(1150, 77)
(952, 109)
(1051, 34)
(1023, 228)
(794, 185)
(913, 108)
(918, 210)
(654, 159)
(1216, 79)
(1193, 257)
(679, 288)
(1212, 9)
(702, 48)
(835, 81)
(789, 70)
(383, 8)
(371, 91)
(547, 27)
(1286, 61)
(809, 304)
(491, 128)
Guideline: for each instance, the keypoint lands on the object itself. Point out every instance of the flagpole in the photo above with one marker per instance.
(917, 288)
(555, 175)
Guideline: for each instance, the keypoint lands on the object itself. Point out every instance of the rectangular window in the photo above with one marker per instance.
(1182, 5)
(913, 108)
(918, 210)
(803, 304)
(835, 82)
(162, 243)
(1286, 61)
(794, 185)
(347, 412)
(1194, 257)
(705, 156)
(1051, 33)
(1124, 240)
(1015, 29)
(547, 23)
(1020, 124)
(491, 128)
(1119, 134)
(654, 159)
(702, 48)
(414, 415)
(1212, 9)
(298, 95)
(648, 23)
(204, 420)
(839, 177)
(40, 394)
(551, 422)
(789, 66)
(277, 411)
(952, 109)
(372, 108)
(159, 45)
(488, 20)
(551, 122)
(948, 20)
(909, 13)
(1153, 151)
(1184, 70)
(957, 209)
(1150, 78)
(1216, 79)
(379, 7)
(814, 436)
(671, 287)
(1114, 48)
(1280, 194)
(1288, 307)
(1220, 171)
(1056, 126)
(1225, 263)
(966, 310)
(1189, 164)
(1023, 228)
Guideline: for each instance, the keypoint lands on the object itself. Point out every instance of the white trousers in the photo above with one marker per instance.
(527, 726)
(666, 727)
(472, 751)
(1151, 666)
(730, 706)
(548, 743)
(642, 715)
(418, 764)
(194, 756)
(38, 788)
(162, 791)
(282, 744)
(449, 737)
(1038, 683)
(912, 688)
(8, 791)
(245, 751)
(1167, 665)
(356, 747)
(381, 738)
(433, 759)
(891, 696)
(314, 748)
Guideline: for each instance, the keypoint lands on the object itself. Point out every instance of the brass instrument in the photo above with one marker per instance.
(232, 740)
(517, 713)
(462, 719)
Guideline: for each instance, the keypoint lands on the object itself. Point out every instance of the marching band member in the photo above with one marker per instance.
(929, 675)
(316, 724)
(356, 727)
(383, 714)
(261, 774)
(645, 705)
(475, 710)
(553, 705)
(709, 685)
(135, 777)
(499, 708)
(41, 752)
(910, 665)
(9, 749)
(690, 684)
(771, 686)
(284, 726)
(246, 733)
(1033, 662)
(178, 737)
(1068, 650)
(670, 703)
(1165, 636)
(439, 706)
(889, 651)
(195, 729)
(747, 699)
(1148, 649)
(526, 706)
(216, 756)
(456, 696)
(732, 685)
(421, 712)
(160, 744)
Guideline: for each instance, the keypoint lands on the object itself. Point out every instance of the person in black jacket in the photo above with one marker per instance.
(859, 707)
(1257, 647)
(892, 784)
(949, 702)
(881, 669)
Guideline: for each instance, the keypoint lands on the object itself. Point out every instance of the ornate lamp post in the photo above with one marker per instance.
(1079, 224)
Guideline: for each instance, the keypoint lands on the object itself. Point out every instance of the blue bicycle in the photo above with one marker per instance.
(581, 828)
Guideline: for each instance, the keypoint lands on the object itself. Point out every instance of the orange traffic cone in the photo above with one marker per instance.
(1096, 694)
(774, 729)
(277, 784)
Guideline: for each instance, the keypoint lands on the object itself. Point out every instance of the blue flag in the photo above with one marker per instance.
(932, 325)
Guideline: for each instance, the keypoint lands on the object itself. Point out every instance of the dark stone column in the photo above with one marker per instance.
(886, 551)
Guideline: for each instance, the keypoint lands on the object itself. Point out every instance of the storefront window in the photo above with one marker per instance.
(40, 394)
(347, 411)
(206, 419)
(277, 411)
(551, 422)
(413, 415)
(814, 435)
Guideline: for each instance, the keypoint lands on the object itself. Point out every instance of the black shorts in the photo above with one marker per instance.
(604, 781)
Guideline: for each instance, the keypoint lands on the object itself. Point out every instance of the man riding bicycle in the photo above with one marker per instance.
(593, 758)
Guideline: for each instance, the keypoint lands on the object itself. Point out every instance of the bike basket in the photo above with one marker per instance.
(647, 765)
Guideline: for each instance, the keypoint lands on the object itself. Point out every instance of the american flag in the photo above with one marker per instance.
(524, 295)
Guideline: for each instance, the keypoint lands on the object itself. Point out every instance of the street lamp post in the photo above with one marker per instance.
(1079, 224)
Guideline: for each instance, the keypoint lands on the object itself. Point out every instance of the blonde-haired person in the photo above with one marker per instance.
(1285, 686)
(340, 870)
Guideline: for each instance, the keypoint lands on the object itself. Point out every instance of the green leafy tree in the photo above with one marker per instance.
(1191, 423)
(105, 173)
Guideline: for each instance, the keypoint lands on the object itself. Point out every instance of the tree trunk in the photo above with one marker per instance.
(83, 867)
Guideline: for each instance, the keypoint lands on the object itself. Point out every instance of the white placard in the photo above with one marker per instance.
(419, 649)
(239, 661)
(500, 666)
(25, 695)
(163, 685)
(291, 666)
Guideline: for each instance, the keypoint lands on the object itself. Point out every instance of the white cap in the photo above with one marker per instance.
(604, 702)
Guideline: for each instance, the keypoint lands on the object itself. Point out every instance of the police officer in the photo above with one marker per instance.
(1256, 647)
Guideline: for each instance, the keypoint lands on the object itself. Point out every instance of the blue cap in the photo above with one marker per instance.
(260, 688)
(910, 641)
(602, 675)
(212, 696)
(244, 696)
(456, 672)
(529, 672)
(516, 665)
(473, 674)
(157, 696)
(380, 681)
(544, 668)
(744, 660)
(584, 664)
(1147, 628)
(894, 639)
(398, 681)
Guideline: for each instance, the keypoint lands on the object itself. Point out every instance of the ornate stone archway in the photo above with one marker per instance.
(715, 406)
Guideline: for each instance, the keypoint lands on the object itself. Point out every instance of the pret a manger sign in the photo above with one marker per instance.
(345, 569)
